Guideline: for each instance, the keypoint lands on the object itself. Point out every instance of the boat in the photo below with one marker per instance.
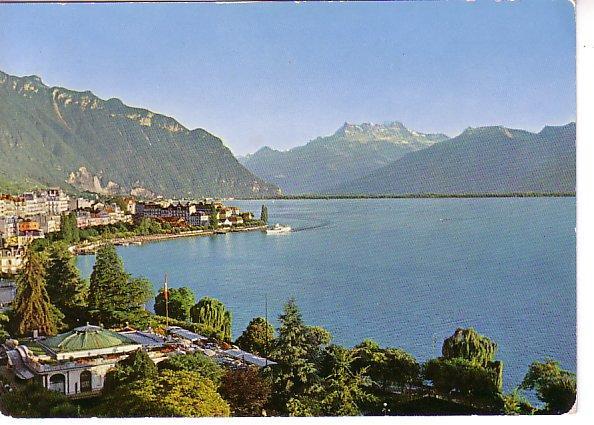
(278, 229)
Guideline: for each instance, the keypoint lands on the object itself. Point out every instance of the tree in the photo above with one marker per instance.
(137, 366)
(246, 390)
(554, 386)
(386, 366)
(4, 326)
(295, 373)
(69, 232)
(264, 214)
(470, 345)
(213, 313)
(66, 290)
(344, 390)
(170, 394)
(515, 403)
(462, 377)
(115, 297)
(213, 219)
(257, 338)
(32, 307)
(195, 362)
(479, 350)
(180, 302)
(31, 400)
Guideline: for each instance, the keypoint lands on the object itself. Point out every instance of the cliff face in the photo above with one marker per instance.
(52, 135)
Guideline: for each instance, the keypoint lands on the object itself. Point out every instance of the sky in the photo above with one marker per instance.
(282, 74)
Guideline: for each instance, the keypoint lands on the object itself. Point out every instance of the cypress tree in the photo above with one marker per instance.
(213, 313)
(470, 345)
(32, 307)
(264, 214)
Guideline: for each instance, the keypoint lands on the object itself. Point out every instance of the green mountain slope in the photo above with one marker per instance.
(480, 160)
(352, 151)
(47, 133)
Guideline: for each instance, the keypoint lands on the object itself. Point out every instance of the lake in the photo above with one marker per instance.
(404, 272)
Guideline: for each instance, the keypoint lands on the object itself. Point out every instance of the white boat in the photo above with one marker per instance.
(278, 229)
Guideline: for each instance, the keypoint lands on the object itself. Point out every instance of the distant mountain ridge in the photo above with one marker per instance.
(352, 151)
(48, 133)
(480, 160)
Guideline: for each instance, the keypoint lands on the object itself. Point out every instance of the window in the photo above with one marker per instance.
(57, 383)
(85, 381)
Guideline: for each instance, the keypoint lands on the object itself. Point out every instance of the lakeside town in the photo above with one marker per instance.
(40, 214)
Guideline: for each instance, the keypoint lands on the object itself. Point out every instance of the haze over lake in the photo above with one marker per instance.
(404, 272)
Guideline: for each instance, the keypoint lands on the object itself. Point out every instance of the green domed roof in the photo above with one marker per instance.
(86, 338)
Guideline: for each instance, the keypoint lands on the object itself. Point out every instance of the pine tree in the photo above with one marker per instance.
(114, 297)
(32, 307)
(66, 290)
(295, 374)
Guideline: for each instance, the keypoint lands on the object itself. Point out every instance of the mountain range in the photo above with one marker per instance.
(52, 135)
(480, 160)
(352, 151)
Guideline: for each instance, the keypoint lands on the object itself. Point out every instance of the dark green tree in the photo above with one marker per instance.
(31, 400)
(213, 219)
(295, 374)
(180, 302)
(553, 386)
(32, 307)
(264, 214)
(69, 232)
(386, 366)
(66, 290)
(195, 362)
(344, 390)
(135, 367)
(213, 313)
(257, 338)
(462, 377)
(114, 297)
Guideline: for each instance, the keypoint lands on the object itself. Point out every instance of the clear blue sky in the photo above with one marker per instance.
(282, 74)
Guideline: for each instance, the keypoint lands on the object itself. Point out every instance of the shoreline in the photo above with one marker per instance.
(91, 248)
(417, 196)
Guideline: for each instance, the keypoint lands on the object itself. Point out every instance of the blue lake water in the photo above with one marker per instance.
(404, 272)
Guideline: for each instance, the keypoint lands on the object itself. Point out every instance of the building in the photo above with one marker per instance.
(11, 259)
(56, 201)
(75, 363)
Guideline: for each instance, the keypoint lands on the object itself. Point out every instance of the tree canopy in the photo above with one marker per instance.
(180, 302)
(66, 290)
(554, 386)
(170, 394)
(114, 297)
(213, 313)
(32, 307)
(246, 390)
(296, 373)
(195, 362)
(258, 337)
(135, 367)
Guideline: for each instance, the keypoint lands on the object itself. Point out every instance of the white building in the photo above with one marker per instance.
(75, 363)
